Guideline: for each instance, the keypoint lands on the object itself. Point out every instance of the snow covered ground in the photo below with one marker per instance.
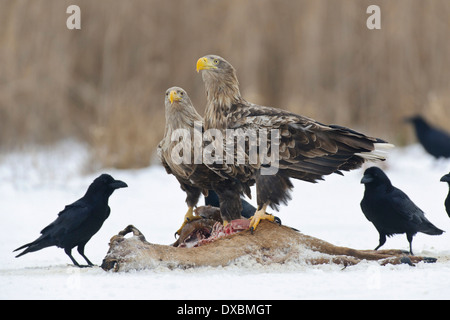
(37, 184)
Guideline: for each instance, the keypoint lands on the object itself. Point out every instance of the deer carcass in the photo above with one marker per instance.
(205, 242)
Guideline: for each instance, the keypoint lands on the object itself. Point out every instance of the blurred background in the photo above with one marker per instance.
(104, 85)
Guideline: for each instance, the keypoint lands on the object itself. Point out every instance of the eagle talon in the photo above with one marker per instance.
(189, 217)
(277, 220)
(258, 216)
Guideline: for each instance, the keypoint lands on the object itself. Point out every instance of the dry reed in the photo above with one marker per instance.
(104, 84)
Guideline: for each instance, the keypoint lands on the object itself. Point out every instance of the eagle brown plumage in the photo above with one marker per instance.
(194, 177)
(181, 114)
(308, 150)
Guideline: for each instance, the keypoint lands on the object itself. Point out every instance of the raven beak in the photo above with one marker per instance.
(366, 179)
(117, 184)
(174, 96)
(204, 64)
(446, 178)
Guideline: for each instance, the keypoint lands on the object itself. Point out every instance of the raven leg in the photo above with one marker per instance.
(68, 251)
(410, 239)
(382, 241)
(81, 252)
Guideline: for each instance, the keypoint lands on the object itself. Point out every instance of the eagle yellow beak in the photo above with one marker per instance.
(174, 96)
(204, 64)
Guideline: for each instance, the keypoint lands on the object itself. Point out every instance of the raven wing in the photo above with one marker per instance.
(69, 219)
(403, 206)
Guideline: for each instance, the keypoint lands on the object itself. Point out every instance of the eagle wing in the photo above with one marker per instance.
(307, 149)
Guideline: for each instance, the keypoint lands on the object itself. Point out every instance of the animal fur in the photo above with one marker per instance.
(269, 244)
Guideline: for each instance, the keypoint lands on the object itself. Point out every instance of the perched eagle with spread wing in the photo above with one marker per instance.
(176, 151)
(308, 150)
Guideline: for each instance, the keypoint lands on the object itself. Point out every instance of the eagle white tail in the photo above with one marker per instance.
(379, 153)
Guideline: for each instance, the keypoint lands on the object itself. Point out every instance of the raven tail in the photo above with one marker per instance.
(432, 230)
(34, 246)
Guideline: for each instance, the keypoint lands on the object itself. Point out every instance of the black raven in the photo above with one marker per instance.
(390, 209)
(435, 141)
(446, 178)
(79, 221)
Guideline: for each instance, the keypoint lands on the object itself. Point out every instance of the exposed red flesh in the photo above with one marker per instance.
(200, 237)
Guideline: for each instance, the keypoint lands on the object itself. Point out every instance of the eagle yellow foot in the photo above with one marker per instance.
(258, 216)
(188, 217)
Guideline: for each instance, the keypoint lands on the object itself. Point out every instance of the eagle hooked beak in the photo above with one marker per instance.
(174, 96)
(204, 64)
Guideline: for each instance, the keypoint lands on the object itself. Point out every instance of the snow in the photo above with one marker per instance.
(36, 184)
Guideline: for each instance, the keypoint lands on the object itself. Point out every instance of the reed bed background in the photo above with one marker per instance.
(104, 84)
